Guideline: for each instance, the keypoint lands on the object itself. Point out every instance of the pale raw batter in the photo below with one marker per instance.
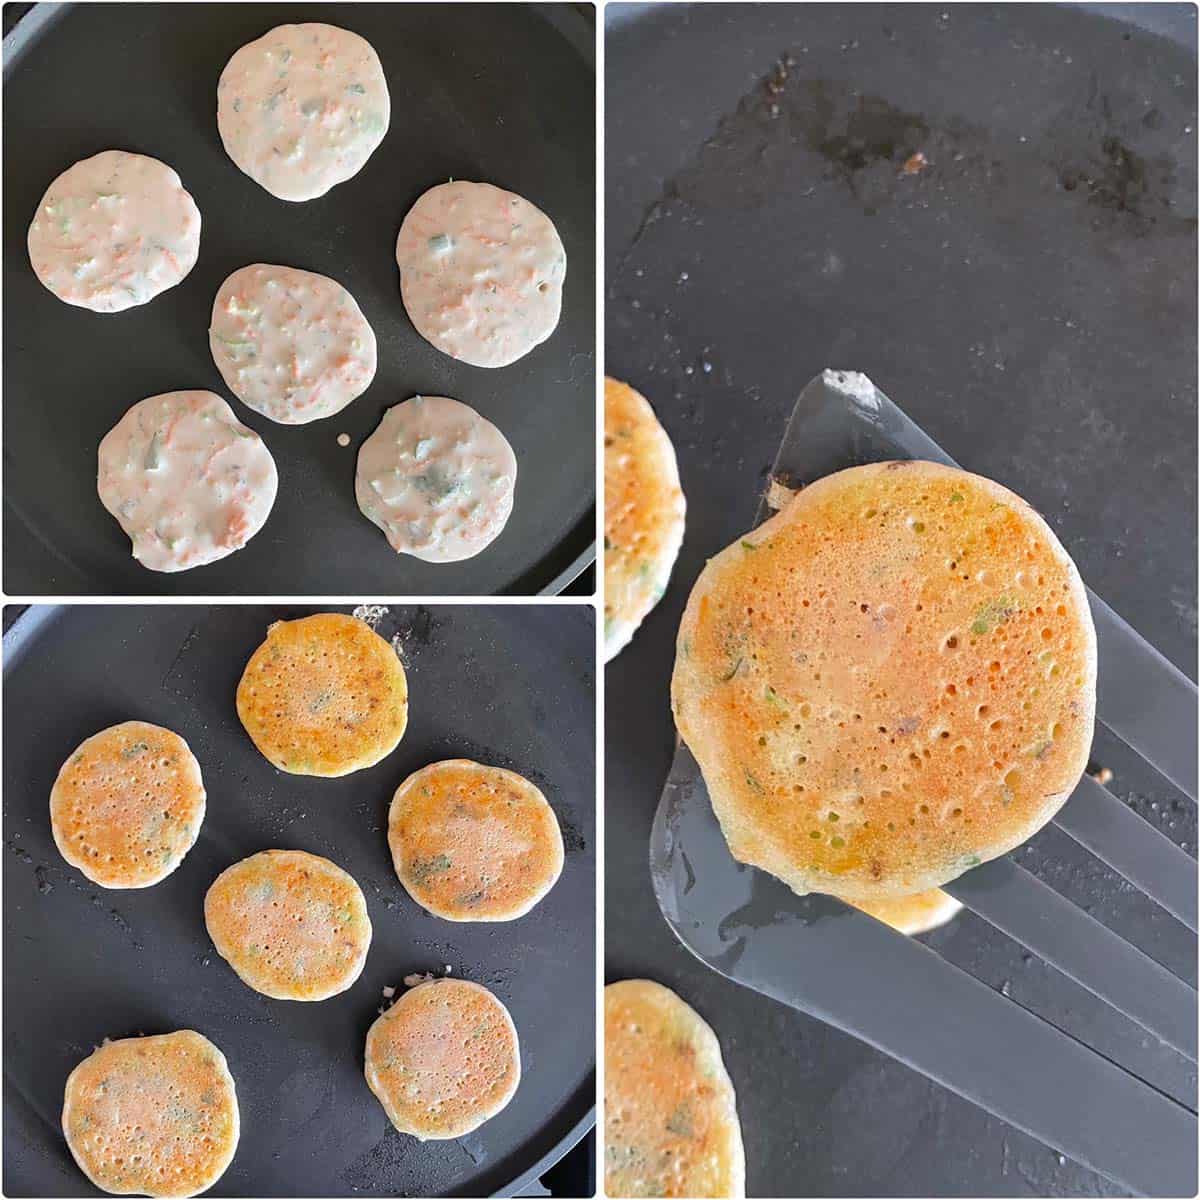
(113, 231)
(481, 272)
(185, 479)
(436, 478)
(291, 344)
(302, 108)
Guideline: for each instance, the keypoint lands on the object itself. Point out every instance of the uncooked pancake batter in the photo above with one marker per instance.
(186, 480)
(302, 108)
(291, 344)
(481, 272)
(113, 231)
(437, 478)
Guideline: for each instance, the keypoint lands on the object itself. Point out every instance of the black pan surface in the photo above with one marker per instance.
(1029, 298)
(502, 93)
(510, 686)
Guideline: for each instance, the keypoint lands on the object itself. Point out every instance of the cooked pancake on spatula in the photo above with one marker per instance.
(890, 681)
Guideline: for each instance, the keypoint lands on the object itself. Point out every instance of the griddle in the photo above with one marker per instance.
(1030, 297)
(502, 93)
(504, 685)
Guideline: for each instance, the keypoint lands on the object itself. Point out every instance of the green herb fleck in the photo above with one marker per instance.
(681, 1122)
(956, 498)
(134, 750)
(748, 545)
(423, 869)
(733, 671)
(993, 613)
(153, 458)
(437, 483)
(356, 89)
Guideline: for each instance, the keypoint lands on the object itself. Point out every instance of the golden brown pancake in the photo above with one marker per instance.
(889, 682)
(670, 1115)
(473, 843)
(127, 805)
(324, 695)
(913, 915)
(443, 1059)
(294, 926)
(643, 512)
(152, 1116)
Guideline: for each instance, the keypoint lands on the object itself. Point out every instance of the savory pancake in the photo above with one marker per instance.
(914, 914)
(290, 344)
(437, 478)
(293, 926)
(113, 231)
(670, 1115)
(324, 695)
(443, 1059)
(185, 479)
(127, 805)
(481, 272)
(302, 108)
(890, 681)
(152, 1116)
(473, 843)
(643, 513)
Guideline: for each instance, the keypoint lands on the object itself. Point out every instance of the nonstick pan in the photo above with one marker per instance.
(1029, 298)
(510, 686)
(502, 93)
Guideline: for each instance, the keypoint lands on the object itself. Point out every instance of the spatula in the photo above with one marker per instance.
(1119, 1111)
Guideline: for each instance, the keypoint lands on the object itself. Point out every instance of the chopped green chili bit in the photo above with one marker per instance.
(732, 671)
(748, 545)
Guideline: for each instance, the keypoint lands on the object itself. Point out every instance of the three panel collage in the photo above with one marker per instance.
(600, 599)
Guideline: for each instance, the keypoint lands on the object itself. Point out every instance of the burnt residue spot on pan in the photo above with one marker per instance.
(1121, 158)
(20, 852)
(382, 1161)
(863, 139)
(872, 132)
(45, 873)
(415, 629)
(573, 840)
